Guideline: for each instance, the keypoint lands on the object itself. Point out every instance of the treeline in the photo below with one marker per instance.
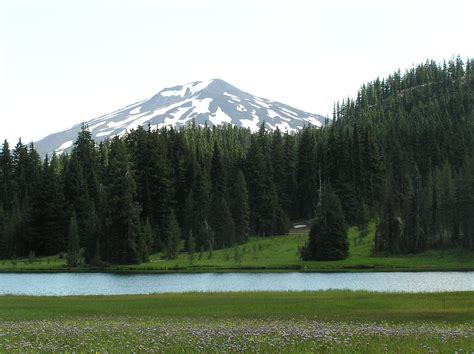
(148, 191)
(401, 153)
(422, 123)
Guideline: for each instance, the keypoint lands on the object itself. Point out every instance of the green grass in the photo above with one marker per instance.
(278, 253)
(323, 305)
(327, 322)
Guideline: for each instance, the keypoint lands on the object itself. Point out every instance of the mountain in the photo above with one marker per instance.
(213, 102)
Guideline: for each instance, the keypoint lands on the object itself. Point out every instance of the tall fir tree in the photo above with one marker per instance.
(123, 223)
(328, 235)
(173, 237)
(73, 242)
(220, 218)
(240, 208)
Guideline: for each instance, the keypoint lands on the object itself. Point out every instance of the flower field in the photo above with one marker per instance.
(168, 335)
(279, 322)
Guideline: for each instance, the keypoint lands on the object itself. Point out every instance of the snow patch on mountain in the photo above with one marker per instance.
(136, 110)
(66, 145)
(220, 117)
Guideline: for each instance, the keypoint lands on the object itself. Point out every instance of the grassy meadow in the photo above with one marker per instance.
(254, 322)
(455, 307)
(326, 322)
(278, 253)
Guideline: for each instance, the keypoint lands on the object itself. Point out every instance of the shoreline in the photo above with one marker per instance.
(125, 271)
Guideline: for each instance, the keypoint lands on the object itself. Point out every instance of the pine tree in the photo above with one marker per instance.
(446, 203)
(162, 192)
(465, 204)
(77, 195)
(220, 219)
(124, 228)
(191, 247)
(174, 237)
(280, 169)
(221, 223)
(390, 226)
(255, 182)
(328, 236)
(266, 215)
(306, 174)
(289, 190)
(6, 177)
(146, 241)
(200, 211)
(371, 169)
(73, 242)
(240, 209)
(87, 156)
(26, 171)
(93, 228)
(3, 236)
(48, 216)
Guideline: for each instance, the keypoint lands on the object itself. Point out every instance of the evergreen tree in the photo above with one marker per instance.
(371, 169)
(191, 247)
(280, 171)
(328, 236)
(307, 174)
(240, 209)
(73, 242)
(266, 215)
(162, 192)
(174, 236)
(200, 211)
(124, 228)
(390, 226)
(3, 237)
(77, 195)
(255, 182)
(289, 188)
(93, 229)
(48, 216)
(87, 156)
(146, 241)
(220, 218)
(465, 204)
(26, 171)
(6, 177)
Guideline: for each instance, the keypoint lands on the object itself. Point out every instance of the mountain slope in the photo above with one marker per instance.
(213, 102)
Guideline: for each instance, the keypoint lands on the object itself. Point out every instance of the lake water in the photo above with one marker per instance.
(115, 284)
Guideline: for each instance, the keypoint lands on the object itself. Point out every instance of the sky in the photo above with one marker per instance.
(63, 62)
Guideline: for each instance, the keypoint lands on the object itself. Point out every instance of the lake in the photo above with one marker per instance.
(61, 284)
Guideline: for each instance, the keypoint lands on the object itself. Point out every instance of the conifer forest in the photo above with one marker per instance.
(401, 153)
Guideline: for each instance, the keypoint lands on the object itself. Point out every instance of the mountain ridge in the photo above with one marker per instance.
(213, 102)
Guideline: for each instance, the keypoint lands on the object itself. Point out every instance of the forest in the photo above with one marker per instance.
(401, 153)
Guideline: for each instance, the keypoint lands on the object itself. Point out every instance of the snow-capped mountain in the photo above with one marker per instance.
(213, 102)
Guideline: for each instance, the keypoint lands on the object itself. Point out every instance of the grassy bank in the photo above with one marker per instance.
(323, 322)
(279, 253)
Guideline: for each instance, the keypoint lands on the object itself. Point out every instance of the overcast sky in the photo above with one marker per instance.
(63, 62)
